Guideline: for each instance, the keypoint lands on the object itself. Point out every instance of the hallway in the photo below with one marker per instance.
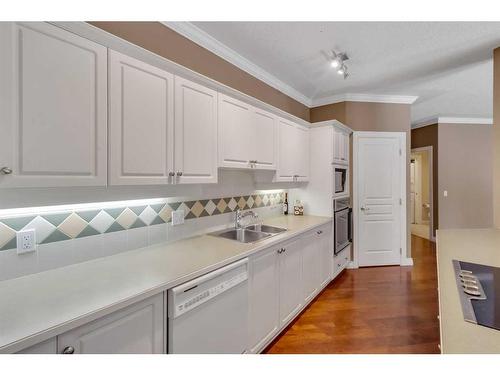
(372, 310)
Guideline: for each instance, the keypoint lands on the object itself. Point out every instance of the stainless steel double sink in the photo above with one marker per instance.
(251, 233)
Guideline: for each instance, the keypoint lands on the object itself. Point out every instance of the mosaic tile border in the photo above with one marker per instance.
(77, 224)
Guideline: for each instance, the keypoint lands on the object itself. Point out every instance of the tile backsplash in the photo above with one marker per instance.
(77, 224)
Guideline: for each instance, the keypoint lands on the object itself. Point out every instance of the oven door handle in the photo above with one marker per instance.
(350, 225)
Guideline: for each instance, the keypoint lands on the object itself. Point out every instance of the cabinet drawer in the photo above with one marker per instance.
(341, 260)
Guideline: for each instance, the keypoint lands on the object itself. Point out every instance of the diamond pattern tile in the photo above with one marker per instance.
(6, 235)
(126, 218)
(102, 221)
(148, 215)
(197, 209)
(166, 214)
(68, 225)
(210, 207)
(73, 225)
(232, 204)
(42, 227)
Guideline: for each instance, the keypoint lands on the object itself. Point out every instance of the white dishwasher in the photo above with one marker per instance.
(210, 314)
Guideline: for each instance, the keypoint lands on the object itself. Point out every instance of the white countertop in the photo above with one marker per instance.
(476, 246)
(39, 306)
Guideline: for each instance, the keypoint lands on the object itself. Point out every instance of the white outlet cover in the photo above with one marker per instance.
(178, 217)
(26, 241)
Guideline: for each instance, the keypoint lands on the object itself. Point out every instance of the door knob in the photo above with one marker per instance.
(5, 170)
(68, 350)
(365, 209)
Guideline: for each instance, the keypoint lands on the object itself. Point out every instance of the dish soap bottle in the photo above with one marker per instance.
(285, 205)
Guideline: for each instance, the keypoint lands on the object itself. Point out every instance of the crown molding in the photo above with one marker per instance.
(205, 40)
(452, 120)
(370, 98)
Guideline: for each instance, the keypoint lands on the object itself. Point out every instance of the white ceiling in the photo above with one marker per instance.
(446, 64)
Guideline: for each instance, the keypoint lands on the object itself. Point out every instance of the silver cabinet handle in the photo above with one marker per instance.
(5, 170)
(179, 173)
(365, 208)
(319, 232)
(281, 250)
(68, 350)
(171, 174)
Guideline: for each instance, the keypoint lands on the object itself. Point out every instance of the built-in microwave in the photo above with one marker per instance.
(341, 180)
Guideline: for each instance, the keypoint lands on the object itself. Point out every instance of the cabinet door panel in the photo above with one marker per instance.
(137, 329)
(264, 143)
(326, 250)
(141, 122)
(311, 266)
(236, 135)
(54, 108)
(290, 281)
(195, 132)
(302, 149)
(264, 299)
(286, 151)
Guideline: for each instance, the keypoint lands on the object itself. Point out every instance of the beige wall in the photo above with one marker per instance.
(425, 184)
(165, 42)
(429, 136)
(496, 137)
(466, 172)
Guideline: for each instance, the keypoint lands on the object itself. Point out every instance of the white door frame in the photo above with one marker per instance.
(429, 150)
(418, 188)
(404, 261)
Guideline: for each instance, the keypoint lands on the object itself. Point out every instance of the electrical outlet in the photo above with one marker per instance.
(178, 217)
(26, 241)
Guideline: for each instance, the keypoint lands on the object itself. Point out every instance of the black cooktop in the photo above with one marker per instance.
(486, 308)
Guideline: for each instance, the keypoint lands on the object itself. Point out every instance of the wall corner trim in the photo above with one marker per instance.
(369, 98)
(452, 120)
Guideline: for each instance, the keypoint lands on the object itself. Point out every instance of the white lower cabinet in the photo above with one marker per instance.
(290, 275)
(325, 244)
(284, 279)
(264, 298)
(311, 265)
(341, 260)
(138, 328)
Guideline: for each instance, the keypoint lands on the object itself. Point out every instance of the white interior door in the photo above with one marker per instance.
(379, 197)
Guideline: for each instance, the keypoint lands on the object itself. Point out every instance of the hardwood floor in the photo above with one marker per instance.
(372, 310)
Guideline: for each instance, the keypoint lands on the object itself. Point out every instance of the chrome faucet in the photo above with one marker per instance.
(240, 215)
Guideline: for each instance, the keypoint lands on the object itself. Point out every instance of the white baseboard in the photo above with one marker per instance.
(407, 261)
(351, 265)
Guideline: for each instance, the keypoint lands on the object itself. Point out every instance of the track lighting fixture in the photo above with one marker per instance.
(338, 63)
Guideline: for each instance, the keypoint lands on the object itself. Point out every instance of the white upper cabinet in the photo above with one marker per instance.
(195, 133)
(53, 107)
(293, 152)
(247, 135)
(264, 139)
(235, 133)
(141, 122)
(340, 147)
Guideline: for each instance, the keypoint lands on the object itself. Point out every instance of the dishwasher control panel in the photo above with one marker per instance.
(207, 294)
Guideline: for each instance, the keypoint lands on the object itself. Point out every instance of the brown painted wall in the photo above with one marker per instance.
(165, 42)
(496, 137)
(466, 172)
(335, 111)
(428, 136)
